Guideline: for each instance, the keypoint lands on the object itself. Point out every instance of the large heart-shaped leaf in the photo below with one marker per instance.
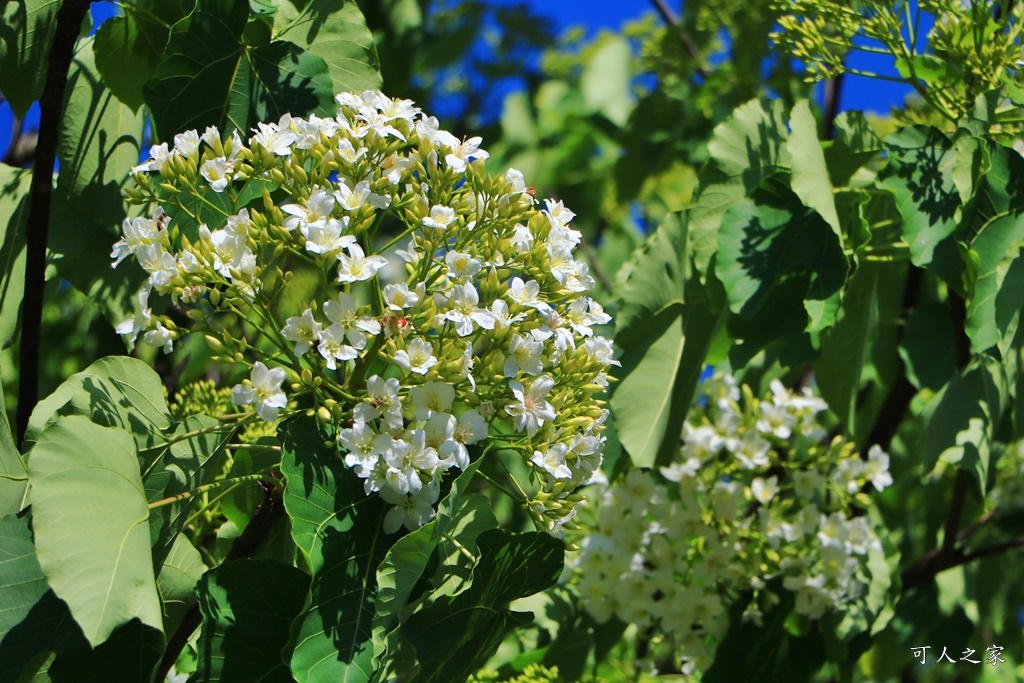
(456, 635)
(210, 76)
(248, 607)
(90, 519)
(338, 530)
(26, 31)
(336, 31)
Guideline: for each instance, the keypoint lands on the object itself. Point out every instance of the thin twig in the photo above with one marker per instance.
(595, 266)
(69, 23)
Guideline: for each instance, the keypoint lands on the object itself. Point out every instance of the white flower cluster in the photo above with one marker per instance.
(487, 337)
(753, 503)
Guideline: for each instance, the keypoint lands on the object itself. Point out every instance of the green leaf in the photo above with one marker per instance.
(22, 583)
(208, 76)
(14, 184)
(960, 421)
(336, 31)
(100, 139)
(607, 80)
(338, 530)
(856, 144)
(177, 581)
(665, 343)
(993, 221)
(770, 238)
(13, 471)
(862, 344)
(810, 180)
(405, 562)
(655, 275)
(248, 608)
(26, 31)
(89, 515)
(928, 346)
(457, 634)
(765, 653)
(919, 174)
(130, 654)
(238, 505)
(125, 59)
(184, 466)
(745, 149)
(116, 391)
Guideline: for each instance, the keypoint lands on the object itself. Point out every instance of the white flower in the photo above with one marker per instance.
(138, 232)
(524, 356)
(440, 217)
(411, 511)
(186, 144)
(159, 336)
(158, 156)
(382, 400)
(273, 139)
(140, 321)
(304, 330)
(877, 468)
(399, 297)
(317, 209)
(461, 267)
(460, 151)
(343, 311)
(353, 199)
(333, 347)
(357, 266)
(265, 391)
(161, 265)
(431, 398)
(530, 411)
(326, 237)
(464, 312)
(419, 357)
(764, 490)
(527, 294)
(217, 172)
(552, 460)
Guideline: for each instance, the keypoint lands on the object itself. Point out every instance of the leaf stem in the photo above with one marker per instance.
(188, 494)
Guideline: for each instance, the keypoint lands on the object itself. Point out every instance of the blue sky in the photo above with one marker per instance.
(858, 93)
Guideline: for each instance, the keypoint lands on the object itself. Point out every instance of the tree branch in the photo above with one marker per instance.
(69, 23)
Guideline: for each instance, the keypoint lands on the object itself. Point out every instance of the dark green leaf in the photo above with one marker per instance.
(457, 634)
(117, 392)
(22, 583)
(26, 31)
(407, 559)
(665, 343)
(810, 180)
(993, 224)
(13, 471)
(764, 654)
(184, 466)
(89, 515)
(855, 145)
(960, 421)
(745, 149)
(208, 76)
(862, 345)
(919, 174)
(338, 530)
(771, 237)
(124, 59)
(928, 347)
(14, 185)
(177, 581)
(248, 608)
(336, 31)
